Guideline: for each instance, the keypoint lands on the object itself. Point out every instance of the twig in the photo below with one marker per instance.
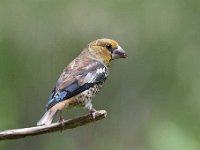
(67, 124)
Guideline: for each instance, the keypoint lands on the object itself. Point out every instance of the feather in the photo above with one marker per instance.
(47, 117)
(74, 81)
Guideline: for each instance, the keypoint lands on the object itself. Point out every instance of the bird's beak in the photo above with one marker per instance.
(118, 53)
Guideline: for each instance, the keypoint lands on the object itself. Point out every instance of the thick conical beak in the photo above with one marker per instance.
(118, 53)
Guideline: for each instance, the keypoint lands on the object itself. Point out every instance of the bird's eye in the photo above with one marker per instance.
(109, 46)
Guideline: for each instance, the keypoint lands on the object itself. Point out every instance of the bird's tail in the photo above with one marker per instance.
(47, 117)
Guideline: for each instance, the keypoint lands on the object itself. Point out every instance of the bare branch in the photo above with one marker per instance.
(67, 124)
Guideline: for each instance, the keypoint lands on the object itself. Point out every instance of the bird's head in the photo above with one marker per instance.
(106, 50)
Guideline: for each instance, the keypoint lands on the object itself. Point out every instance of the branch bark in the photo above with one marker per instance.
(67, 124)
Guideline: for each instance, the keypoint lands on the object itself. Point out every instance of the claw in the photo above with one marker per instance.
(61, 120)
(93, 112)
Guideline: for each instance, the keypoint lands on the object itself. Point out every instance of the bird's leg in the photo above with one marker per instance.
(92, 110)
(60, 119)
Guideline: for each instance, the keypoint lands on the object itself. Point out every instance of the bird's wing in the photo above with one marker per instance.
(76, 78)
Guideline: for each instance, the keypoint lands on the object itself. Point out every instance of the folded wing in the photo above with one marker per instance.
(76, 78)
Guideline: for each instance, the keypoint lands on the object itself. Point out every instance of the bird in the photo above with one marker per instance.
(82, 79)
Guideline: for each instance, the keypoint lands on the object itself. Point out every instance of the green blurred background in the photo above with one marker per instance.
(152, 97)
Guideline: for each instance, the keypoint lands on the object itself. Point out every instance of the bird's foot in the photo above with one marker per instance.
(93, 112)
(61, 120)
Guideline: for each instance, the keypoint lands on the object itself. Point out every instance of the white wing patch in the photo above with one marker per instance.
(101, 70)
(91, 76)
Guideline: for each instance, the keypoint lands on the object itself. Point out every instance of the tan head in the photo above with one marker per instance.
(106, 50)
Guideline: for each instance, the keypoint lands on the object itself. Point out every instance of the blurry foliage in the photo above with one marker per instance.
(152, 97)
